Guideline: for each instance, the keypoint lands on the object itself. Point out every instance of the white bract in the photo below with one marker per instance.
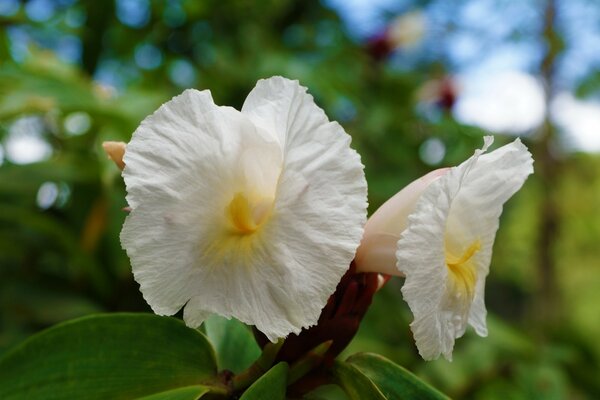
(442, 227)
(254, 214)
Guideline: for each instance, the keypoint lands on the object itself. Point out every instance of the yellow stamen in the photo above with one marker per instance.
(463, 271)
(246, 216)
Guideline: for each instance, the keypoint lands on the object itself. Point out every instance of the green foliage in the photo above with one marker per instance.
(272, 385)
(356, 384)
(233, 341)
(371, 376)
(64, 260)
(116, 356)
(186, 393)
(123, 356)
(392, 380)
(327, 392)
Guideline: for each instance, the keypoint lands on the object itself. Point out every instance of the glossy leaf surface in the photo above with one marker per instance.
(118, 356)
(270, 386)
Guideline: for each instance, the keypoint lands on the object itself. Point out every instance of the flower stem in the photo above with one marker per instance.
(310, 360)
(258, 368)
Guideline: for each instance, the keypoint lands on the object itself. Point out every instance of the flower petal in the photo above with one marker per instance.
(166, 144)
(180, 165)
(321, 204)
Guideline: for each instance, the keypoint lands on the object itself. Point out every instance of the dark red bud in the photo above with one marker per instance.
(339, 322)
(379, 46)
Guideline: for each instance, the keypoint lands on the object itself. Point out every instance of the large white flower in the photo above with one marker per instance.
(254, 214)
(443, 228)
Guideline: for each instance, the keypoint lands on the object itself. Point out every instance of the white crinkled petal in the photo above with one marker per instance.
(478, 311)
(183, 166)
(321, 204)
(421, 257)
(161, 161)
(166, 144)
(462, 207)
(476, 210)
(179, 165)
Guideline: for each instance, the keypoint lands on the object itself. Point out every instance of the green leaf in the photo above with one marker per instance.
(356, 384)
(184, 393)
(107, 356)
(394, 381)
(326, 392)
(234, 343)
(269, 386)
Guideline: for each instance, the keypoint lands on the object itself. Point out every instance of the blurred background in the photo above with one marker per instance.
(416, 84)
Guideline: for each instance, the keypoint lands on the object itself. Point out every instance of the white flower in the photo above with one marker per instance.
(446, 222)
(254, 214)
(407, 30)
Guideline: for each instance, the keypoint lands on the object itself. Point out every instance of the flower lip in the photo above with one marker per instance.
(247, 216)
(463, 271)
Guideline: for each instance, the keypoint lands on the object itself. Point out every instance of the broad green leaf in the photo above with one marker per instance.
(185, 393)
(233, 342)
(394, 381)
(326, 392)
(107, 356)
(269, 386)
(355, 383)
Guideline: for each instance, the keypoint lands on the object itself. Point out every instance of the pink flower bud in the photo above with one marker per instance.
(115, 151)
(377, 250)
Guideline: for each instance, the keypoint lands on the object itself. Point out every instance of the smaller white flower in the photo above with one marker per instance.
(446, 223)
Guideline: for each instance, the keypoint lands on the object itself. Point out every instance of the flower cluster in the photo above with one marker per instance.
(256, 214)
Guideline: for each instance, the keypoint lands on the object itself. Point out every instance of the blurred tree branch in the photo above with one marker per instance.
(547, 169)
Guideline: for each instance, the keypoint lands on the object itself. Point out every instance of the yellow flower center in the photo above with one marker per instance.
(246, 213)
(463, 271)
